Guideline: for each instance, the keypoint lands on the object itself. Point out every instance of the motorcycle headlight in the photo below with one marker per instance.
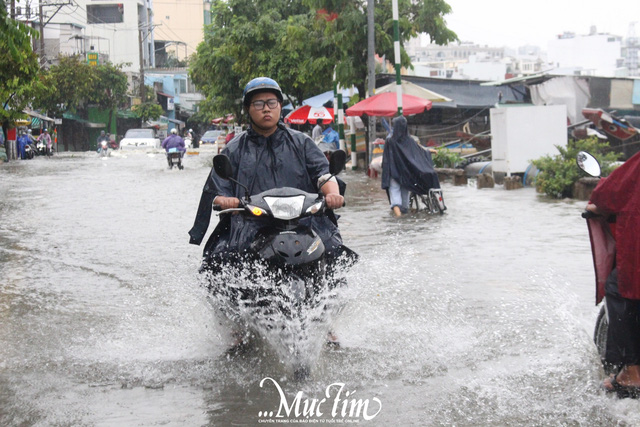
(313, 209)
(285, 207)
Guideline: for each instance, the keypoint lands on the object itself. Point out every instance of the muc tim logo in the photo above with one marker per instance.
(337, 406)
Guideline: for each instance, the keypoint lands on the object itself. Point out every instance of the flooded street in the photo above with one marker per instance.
(481, 316)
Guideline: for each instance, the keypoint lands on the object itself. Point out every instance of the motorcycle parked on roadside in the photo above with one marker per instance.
(284, 289)
(603, 248)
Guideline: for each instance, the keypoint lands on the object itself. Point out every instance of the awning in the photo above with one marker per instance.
(86, 123)
(178, 122)
(165, 94)
(38, 115)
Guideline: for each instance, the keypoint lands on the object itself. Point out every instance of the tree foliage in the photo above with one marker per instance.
(348, 32)
(299, 43)
(66, 86)
(251, 38)
(560, 172)
(72, 84)
(149, 110)
(18, 65)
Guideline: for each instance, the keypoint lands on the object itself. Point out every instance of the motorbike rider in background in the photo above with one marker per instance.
(174, 141)
(103, 137)
(619, 195)
(46, 138)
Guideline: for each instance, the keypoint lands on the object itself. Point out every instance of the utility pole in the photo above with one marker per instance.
(371, 73)
(396, 54)
(13, 9)
(142, 88)
(42, 56)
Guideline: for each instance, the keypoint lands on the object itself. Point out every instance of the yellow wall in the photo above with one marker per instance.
(179, 20)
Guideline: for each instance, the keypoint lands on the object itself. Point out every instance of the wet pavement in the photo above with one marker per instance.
(481, 316)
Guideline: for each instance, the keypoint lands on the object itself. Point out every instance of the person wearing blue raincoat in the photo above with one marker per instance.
(331, 137)
(268, 155)
(23, 141)
(406, 167)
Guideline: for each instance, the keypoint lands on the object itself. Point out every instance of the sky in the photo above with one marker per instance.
(515, 23)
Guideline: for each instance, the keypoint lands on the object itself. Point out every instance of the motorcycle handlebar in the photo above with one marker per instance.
(217, 207)
(589, 215)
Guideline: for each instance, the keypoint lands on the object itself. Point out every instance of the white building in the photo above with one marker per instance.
(120, 31)
(593, 54)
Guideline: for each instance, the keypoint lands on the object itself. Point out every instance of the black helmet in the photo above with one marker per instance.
(260, 84)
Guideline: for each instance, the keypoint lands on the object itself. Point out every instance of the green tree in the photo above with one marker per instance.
(149, 110)
(66, 86)
(347, 33)
(251, 38)
(560, 172)
(18, 66)
(110, 89)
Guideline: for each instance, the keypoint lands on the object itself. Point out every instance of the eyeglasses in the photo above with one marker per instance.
(271, 103)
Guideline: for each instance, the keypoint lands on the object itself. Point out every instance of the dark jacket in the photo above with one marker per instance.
(287, 158)
(407, 162)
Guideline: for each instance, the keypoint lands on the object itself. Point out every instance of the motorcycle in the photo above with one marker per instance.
(285, 287)
(104, 148)
(174, 158)
(603, 247)
(41, 148)
(29, 151)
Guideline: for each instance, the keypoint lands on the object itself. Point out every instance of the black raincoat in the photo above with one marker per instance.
(407, 162)
(287, 158)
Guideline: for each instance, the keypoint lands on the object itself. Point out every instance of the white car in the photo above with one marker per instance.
(140, 138)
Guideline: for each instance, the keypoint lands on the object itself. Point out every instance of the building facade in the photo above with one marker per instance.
(117, 31)
(594, 54)
(179, 29)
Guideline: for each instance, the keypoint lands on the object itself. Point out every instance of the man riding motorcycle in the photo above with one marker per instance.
(266, 156)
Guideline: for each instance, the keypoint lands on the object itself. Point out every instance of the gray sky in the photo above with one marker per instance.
(516, 22)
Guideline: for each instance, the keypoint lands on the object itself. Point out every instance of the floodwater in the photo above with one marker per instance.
(481, 316)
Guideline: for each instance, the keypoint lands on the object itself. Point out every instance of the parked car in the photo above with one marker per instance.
(215, 137)
(140, 138)
(211, 136)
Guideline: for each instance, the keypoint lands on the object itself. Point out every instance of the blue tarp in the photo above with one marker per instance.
(320, 100)
(635, 97)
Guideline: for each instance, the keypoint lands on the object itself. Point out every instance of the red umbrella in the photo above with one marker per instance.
(217, 121)
(386, 105)
(301, 115)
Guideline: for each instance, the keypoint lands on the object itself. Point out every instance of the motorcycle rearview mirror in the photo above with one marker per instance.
(588, 163)
(223, 168)
(337, 160)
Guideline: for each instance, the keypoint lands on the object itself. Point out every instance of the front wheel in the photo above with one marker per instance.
(600, 339)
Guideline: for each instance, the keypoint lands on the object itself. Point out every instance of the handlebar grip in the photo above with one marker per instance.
(588, 215)
(217, 207)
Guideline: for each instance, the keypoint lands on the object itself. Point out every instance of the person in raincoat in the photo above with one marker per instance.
(268, 155)
(405, 167)
(619, 195)
(23, 141)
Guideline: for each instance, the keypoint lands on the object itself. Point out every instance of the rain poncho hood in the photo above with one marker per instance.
(619, 194)
(287, 158)
(406, 162)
